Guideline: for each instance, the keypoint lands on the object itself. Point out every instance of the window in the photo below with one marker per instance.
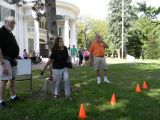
(6, 12)
(42, 24)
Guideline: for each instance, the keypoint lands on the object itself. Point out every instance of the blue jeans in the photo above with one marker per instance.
(58, 75)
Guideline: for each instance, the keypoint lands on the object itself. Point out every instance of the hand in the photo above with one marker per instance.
(5, 70)
(42, 72)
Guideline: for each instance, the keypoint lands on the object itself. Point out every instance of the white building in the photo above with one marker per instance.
(31, 34)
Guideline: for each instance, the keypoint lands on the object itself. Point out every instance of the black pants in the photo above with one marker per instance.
(86, 58)
(80, 60)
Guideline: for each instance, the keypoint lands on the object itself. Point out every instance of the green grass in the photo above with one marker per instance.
(96, 98)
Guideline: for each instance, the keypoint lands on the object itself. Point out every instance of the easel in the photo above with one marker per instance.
(24, 71)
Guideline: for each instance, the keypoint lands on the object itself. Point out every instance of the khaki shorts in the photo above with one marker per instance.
(12, 71)
(100, 63)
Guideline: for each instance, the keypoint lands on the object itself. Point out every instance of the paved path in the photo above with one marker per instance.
(42, 64)
(39, 65)
(109, 61)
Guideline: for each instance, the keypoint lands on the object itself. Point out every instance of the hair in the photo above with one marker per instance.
(56, 42)
(9, 18)
(24, 50)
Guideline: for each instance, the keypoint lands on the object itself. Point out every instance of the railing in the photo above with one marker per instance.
(43, 31)
(32, 29)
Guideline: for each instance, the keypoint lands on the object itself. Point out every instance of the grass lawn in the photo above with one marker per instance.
(96, 98)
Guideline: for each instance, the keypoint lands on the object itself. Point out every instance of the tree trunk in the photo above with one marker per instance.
(51, 21)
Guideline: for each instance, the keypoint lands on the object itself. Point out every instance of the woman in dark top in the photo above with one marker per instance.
(59, 57)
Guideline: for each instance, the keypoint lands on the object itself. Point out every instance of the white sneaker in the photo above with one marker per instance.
(107, 81)
(98, 81)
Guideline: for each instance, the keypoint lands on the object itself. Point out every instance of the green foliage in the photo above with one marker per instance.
(144, 33)
(153, 49)
(150, 12)
(134, 43)
(115, 21)
(149, 36)
(88, 27)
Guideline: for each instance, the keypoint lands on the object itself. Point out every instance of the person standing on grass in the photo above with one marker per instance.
(97, 51)
(59, 58)
(86, 55)
(9, 51)
(80, 55)
(73, 54)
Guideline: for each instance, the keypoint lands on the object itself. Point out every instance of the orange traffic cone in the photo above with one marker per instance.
(82, 113)
(145, 85)
(138, 89)
(113, 99)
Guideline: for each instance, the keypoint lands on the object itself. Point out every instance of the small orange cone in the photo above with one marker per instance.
(82, 113)
(138, 89)
(145, 85)
(113, 99)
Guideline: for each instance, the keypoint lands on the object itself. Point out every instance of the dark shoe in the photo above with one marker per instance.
(55, 96)
(15, 99)
(3, 104)
(69, 98)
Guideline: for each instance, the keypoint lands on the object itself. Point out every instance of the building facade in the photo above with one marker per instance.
(31, 34)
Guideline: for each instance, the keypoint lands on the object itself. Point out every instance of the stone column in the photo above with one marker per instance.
(73, 34)
(25, 40)
(36, 36)
(66, 31)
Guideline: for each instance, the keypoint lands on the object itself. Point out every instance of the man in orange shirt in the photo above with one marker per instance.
(97, 50)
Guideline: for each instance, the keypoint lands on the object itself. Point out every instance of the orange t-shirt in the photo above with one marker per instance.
(97, 49)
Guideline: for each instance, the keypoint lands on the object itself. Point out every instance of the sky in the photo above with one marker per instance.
(95, 8)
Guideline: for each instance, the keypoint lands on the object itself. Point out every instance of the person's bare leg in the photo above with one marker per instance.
(2, 88)
(98, 76)
(105, 72)
(98, 73)
(105, 76)
(11, 84)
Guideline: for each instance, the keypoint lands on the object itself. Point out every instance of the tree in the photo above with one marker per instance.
(88, 27)
(149, 28)
(83, 25)
(51, 18)
(150, 12)
(115, 22)
(134, 45)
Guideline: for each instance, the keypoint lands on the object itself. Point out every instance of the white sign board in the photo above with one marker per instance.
(130, 58)
(24, 67)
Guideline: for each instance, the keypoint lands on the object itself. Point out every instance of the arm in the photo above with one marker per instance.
(1, 44)
(105, 45)
(68, 53)
(5, 70)
(76, 52)
(2, 62)
(1, 57)
(91, 55)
